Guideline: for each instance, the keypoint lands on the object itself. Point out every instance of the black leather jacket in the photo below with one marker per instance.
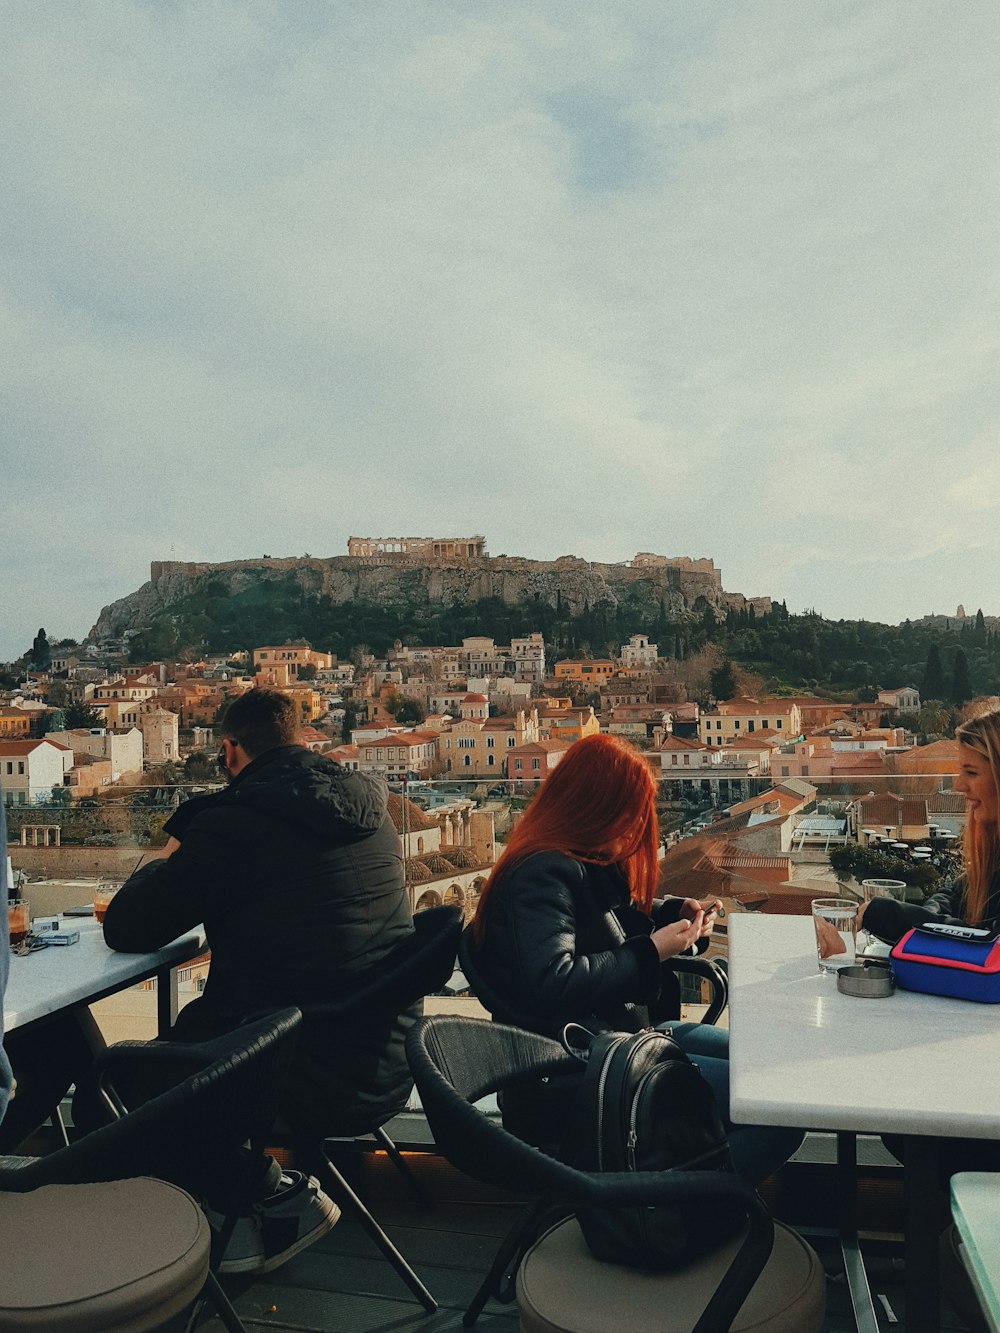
(562, 943)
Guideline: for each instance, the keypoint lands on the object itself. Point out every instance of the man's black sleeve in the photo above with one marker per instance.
(166, 898)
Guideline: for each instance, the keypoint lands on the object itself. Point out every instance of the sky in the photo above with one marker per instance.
(709, 279)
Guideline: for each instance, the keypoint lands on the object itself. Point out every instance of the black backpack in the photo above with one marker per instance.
(643, 1106)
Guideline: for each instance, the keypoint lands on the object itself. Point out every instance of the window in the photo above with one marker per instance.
(784, 770)
(467, 760)
(687, 759)
(536, 763)
(736, 724)
(490, 742)
(750, 725)
(673, 759)
(511, 740)
(20, 767)
(10, 767)
(466, 743)
(518, 764)
(490, 760)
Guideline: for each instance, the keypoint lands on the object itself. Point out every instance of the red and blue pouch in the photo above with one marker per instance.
(942, 961)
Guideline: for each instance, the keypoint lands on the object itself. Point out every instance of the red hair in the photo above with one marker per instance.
(598, 805)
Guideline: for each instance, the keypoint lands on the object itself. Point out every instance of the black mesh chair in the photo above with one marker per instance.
(457, 1061)
(174, 1124)
(422, 964)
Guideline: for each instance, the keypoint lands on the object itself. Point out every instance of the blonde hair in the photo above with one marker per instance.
(981, 846)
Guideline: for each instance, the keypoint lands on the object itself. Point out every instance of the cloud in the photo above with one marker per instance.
(704, 280)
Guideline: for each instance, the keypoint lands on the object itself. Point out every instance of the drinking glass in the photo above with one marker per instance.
(836, 921)
(18, 920)
(878, 888)
(103, 894)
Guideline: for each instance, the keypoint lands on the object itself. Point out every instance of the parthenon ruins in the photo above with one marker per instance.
(464, 547)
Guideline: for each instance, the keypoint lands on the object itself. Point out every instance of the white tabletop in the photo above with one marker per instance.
(975, 1206)
(803, 1054)
(63, 976)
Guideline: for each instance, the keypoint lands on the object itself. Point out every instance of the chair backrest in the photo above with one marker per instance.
(456, 1060)
(180, 1134)
(488, 997)
(419, 965)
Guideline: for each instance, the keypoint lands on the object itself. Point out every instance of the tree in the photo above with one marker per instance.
(409, 710)
(933, 684)
(961, 685)
(307, 671)
(40, 656)
(201, 766)
(723, 681)
(82, 715)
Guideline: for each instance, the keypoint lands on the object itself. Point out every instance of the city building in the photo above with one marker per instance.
(29, 769)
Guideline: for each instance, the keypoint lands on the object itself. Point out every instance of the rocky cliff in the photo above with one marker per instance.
(679, 586)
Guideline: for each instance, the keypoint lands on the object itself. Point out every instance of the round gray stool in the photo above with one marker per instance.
(562, 1288)
(121, 1256)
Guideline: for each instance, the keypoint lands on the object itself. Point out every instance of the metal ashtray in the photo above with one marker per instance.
(870, 981)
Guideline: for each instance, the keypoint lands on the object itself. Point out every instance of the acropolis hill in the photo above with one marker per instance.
(435, 571)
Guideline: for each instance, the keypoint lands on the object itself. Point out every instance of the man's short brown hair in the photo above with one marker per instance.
(261, 720)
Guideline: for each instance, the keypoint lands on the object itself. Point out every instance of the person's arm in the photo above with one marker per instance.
(670, 909)
(551, 977)
(889, 920)
(167, 897)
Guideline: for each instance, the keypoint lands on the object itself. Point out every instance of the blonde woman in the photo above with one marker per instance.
(974, 898)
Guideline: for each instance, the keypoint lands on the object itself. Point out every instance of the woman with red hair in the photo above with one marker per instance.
(567, 931)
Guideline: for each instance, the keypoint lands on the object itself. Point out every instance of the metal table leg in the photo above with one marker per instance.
(847, 1215)
(166, 1000)
(920, 1211)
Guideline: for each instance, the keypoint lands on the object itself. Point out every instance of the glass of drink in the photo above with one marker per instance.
(103, 894)
(18, 920)
(836, 922)
(878, 888)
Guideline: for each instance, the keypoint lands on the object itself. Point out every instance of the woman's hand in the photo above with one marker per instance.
(679, 936)
(690, 908)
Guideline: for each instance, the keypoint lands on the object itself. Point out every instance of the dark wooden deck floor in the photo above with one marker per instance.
(342, 1285)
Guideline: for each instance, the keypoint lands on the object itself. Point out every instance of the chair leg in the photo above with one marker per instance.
(330, 1176)
(59, 1125)
(499, 1281)
(416, 1188)
(223, 1305)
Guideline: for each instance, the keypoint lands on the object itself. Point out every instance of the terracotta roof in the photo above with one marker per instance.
(475, 699)
(679, 743)
(890, 810)
(416, 818)
(26, 746)
(946, 803)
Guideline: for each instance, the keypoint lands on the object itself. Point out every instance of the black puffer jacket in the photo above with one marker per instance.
(888, 920)
(296, 872)
(562, 942)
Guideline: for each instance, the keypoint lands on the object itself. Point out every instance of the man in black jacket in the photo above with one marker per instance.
(296, 871)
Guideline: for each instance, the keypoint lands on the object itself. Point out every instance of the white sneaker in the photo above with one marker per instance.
(279, 1226)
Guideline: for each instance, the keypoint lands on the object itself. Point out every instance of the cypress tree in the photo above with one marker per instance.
(932, 686)
(961, 685)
